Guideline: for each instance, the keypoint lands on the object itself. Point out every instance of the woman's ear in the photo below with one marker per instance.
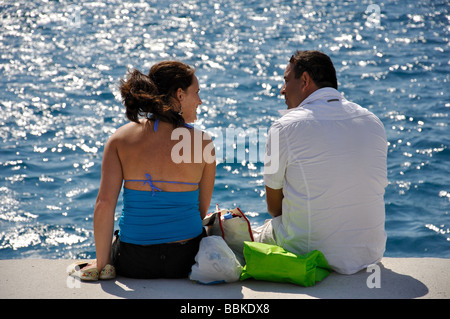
(180, 95)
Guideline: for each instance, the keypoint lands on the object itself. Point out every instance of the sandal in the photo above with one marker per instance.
(91, 274)
(109, 272)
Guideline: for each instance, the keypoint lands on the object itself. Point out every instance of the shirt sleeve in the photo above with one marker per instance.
(275, 159)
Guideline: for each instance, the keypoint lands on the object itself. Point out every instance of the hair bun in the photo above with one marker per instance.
(154, 94)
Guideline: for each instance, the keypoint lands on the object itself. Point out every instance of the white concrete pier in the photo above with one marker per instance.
(395, 278)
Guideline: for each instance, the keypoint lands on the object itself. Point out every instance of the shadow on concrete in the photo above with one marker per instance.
(169, 289)
(392, 285)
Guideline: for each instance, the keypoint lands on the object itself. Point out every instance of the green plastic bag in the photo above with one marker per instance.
(273, 263)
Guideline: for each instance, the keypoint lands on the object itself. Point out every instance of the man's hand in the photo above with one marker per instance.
(274, 199)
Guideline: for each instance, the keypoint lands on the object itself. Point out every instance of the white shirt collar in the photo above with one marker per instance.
(316, 95)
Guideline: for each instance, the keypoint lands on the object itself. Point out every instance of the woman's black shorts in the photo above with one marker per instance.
(172, 260)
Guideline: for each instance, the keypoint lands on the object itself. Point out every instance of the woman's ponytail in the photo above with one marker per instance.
(153, 96)
(139, 95)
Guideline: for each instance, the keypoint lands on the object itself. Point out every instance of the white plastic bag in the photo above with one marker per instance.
(215, 262)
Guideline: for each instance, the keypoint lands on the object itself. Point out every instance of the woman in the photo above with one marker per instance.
(164, 200)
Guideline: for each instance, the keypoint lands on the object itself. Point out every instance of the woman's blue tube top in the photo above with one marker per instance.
(159, 217)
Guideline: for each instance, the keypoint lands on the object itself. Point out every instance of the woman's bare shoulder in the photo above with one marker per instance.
(126, 129)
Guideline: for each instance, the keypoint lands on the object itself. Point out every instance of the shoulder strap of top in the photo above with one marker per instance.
(155, 126)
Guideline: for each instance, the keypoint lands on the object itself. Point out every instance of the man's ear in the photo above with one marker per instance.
(306, 80)
(308, 83)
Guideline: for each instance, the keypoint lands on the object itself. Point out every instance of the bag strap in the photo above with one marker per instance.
(219, 214)
(248, 224)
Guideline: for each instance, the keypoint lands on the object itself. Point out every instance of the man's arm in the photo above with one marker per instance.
(274, 199)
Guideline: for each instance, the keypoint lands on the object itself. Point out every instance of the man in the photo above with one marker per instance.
(327, 191)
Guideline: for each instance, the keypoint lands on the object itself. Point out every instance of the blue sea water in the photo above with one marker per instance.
(61, 61)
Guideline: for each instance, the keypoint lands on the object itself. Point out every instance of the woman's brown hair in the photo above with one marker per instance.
(153, 95)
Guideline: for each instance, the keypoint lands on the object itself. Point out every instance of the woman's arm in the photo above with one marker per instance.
(206, 184)
(110, 184)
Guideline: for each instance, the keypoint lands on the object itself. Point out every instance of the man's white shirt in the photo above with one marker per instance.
(331, 164)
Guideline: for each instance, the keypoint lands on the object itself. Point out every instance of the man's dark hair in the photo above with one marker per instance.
(318, 65)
